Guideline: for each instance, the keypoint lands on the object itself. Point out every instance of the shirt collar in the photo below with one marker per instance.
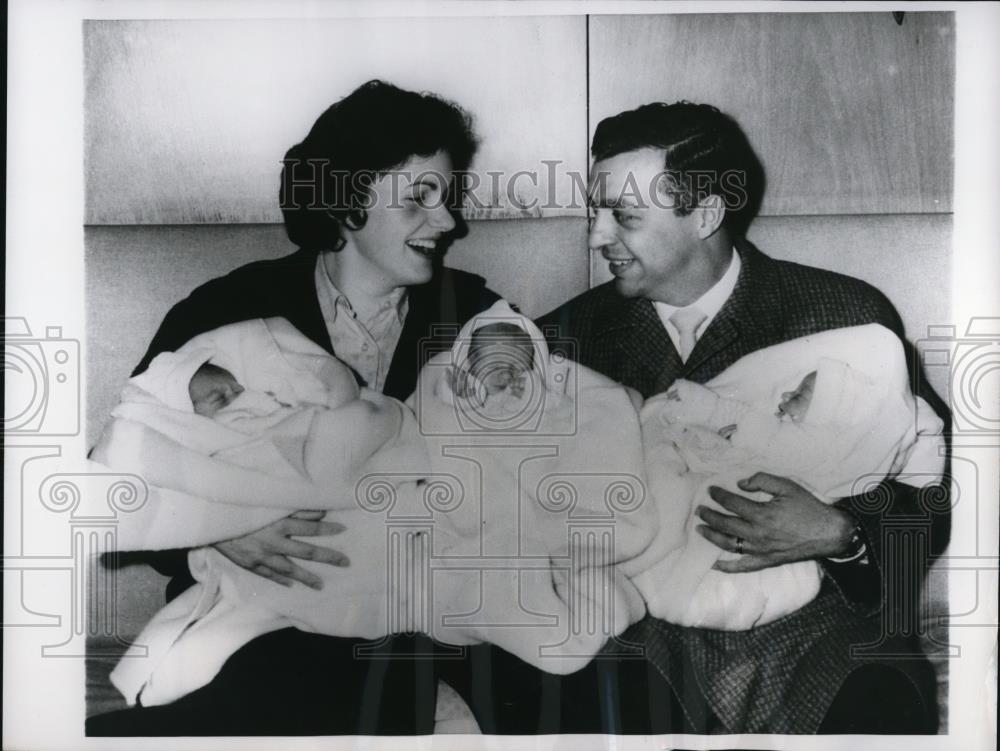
(395, 299)
(712, 301)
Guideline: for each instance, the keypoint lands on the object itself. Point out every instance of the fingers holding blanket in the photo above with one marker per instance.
(267, 552)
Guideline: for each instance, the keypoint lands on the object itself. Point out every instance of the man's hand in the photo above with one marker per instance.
(266, 552)
(793, 526)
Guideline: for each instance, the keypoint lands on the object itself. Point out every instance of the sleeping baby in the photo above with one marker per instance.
(499, 366)
(828, 411)
(548, 455)
(254, 421)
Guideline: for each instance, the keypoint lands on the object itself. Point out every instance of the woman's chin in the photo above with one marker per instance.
(421, 271)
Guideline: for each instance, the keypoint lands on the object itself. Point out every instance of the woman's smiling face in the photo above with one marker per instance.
(407, 218)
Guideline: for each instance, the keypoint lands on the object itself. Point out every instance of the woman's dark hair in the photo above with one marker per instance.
(374, 129)
(705, 152)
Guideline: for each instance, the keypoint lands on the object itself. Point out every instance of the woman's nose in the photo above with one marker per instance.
(441, 219)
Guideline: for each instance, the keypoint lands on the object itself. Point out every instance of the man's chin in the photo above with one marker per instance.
(625, 288)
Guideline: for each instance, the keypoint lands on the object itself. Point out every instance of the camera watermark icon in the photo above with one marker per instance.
(91, 504)
(496, 381)
(43, 381)
(972, 366)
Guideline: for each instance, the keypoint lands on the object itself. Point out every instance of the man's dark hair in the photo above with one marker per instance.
(374, 129)
(705, 152)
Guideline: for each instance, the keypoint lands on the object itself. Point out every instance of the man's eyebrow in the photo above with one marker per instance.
(613, 203)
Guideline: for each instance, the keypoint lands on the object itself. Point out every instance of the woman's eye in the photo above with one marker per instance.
(423, 198)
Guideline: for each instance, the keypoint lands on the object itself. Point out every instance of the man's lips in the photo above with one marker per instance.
(617, 265)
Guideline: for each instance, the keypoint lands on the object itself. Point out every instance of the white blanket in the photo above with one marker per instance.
(214, 479)
(442, 544)
(210, 482)
(554, 496)
(863, 425)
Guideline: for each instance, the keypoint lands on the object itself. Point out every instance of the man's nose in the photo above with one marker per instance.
(601, 232)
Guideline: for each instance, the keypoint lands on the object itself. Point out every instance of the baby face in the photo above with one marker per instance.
(795, 404)
(212, 388)
(502, 367)
(501, 356)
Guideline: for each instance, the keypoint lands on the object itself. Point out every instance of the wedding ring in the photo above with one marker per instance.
(739, 545)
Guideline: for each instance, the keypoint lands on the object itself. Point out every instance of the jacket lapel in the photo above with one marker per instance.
(746, 321)
(634, 347)
(298, 300)
(643, 356)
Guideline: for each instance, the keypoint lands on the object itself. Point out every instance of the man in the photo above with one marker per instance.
(673, 190)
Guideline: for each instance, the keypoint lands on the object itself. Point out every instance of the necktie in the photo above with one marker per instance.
(687, 320)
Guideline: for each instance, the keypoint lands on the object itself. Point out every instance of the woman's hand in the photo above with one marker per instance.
(267, 551)
(793, 526)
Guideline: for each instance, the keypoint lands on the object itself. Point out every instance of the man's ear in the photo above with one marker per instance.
(710, 213)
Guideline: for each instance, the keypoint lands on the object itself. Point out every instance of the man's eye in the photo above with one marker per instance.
(626, 219)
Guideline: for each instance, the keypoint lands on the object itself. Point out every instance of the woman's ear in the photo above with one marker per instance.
(710, 211)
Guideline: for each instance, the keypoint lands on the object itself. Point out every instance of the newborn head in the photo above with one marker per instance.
(795, 404)
(500, 356)
(212, 388)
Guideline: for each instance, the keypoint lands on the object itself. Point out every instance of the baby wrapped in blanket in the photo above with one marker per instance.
(238, 428)
(831, 411)
(547, 457)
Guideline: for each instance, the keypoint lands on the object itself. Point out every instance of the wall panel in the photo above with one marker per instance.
(187, 121)
(850, 112)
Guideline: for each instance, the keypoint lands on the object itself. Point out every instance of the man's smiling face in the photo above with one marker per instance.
(648, 247)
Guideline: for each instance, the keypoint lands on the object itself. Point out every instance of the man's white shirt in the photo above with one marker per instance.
(709, 303)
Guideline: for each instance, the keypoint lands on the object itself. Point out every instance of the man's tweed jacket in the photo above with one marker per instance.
(781, 677)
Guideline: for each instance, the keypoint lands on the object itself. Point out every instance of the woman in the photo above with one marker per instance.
(365, 198)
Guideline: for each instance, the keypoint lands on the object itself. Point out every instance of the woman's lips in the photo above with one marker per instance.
(424, 247)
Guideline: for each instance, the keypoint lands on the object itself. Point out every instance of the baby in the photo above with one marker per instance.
(292, 409)
(849, 418)
(247, 418)
(713, 432)
(212, 388)
(496, 373)
(547, 455)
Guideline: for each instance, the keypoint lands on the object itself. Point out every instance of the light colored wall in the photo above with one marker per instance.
(851, 113)
(187, 121)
